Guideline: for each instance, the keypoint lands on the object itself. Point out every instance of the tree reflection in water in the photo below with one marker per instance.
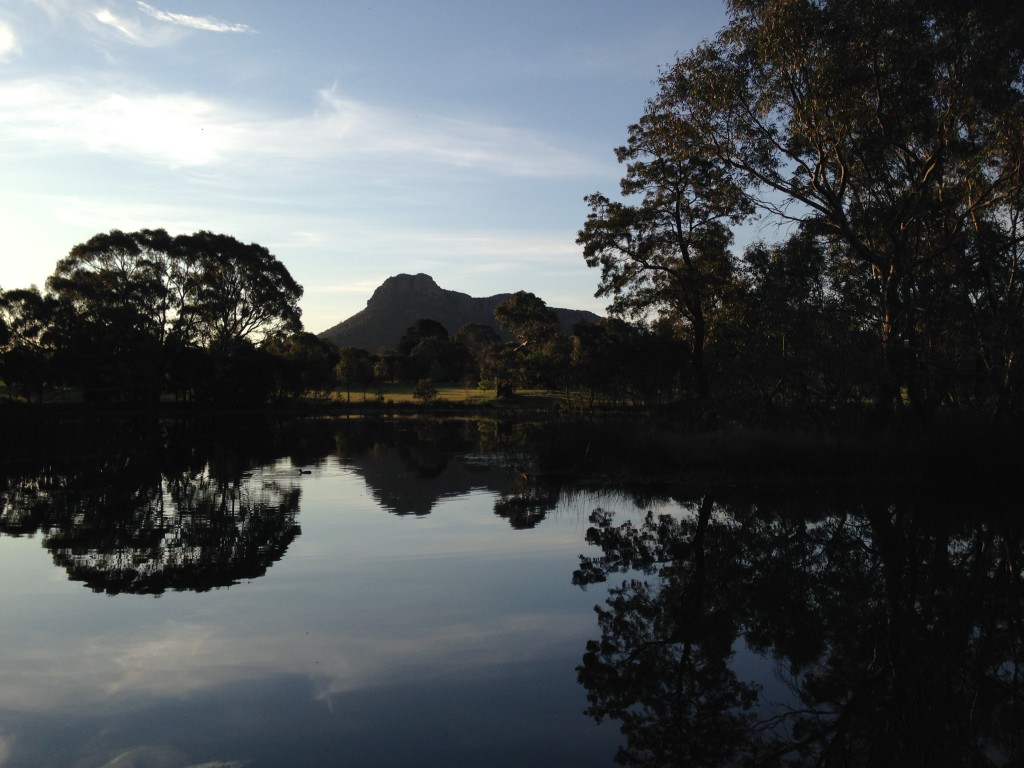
(896, 629)
(143, 507)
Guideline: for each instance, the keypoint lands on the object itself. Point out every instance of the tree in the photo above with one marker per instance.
(425, 391)
(424, 350)
(419, 331)
(134, 309)
(898, 126)
(305, 362)
(669, 253)
(799, 340)
(26, 317)
(354, 369)
(538, 355)
(624, 362)
(477, 339)
(112, 316)
(238, 292)
(527, 318)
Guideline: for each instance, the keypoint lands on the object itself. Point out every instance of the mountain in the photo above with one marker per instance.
(403, 299)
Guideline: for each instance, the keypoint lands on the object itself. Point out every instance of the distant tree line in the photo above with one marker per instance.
(139, 317)
(132, 317)
(608, 363)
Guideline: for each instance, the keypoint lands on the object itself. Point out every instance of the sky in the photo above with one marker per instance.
(355, 140)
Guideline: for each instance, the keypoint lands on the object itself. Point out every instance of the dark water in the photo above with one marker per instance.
(324, 593)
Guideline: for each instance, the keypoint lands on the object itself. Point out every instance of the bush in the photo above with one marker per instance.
(425, 391)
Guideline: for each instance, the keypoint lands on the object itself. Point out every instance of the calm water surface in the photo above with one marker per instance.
(334, 593)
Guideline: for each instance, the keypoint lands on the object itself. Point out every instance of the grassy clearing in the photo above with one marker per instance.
(402, 394)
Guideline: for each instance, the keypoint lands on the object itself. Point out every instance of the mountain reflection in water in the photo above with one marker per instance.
(432, 583)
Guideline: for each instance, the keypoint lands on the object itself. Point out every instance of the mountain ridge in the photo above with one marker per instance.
(403, 299)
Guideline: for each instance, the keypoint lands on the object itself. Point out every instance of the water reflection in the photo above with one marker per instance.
(738, 629)
(410, 466)
(894, 631)
(143, 506)
(453, 624)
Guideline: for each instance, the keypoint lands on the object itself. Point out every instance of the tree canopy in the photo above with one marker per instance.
(891, 131)
(131, 315)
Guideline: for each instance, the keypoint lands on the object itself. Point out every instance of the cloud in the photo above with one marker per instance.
(175, 129)
(183, 129)
(126, 28)
(182, 659)
(441, 140)
(204, 23)
(8, 42)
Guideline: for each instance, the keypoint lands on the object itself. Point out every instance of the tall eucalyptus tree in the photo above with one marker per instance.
(669, 253)
(899, 126)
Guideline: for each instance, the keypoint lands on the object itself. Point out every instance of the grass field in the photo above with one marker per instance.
(402, 394)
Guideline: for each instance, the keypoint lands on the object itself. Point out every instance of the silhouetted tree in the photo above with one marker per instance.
(538, 355)
(26, 319)
(354, 369)
(670, 252)
(305, 363)
(897, 127)
(134, 311)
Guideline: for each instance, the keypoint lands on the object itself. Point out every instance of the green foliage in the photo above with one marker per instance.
(425, 351)
(354, 369)
(669, 253)
(527, 318)
(305, 363)
(419, 332)
(621, 363)
(538, 356)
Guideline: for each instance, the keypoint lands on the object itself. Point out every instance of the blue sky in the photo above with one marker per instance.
(354, 140)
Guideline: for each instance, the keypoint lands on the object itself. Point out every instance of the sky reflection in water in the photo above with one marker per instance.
(383, 639)
(396, 600)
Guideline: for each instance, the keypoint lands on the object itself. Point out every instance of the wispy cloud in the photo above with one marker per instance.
(183, 129)
(205, 23)
(441, 140)
(125, 27)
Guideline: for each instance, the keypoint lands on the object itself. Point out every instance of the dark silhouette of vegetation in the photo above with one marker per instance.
(133, 317)
(886, 138)
(145, 506)
(891, 626)
(425, 391)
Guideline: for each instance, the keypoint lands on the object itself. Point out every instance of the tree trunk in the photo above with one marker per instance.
(893, 323)
(700, 373)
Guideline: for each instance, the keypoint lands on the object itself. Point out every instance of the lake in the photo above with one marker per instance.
(324, 592)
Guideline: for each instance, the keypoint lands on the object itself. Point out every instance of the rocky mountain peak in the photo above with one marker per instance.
(403, 299)
(404, 286)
